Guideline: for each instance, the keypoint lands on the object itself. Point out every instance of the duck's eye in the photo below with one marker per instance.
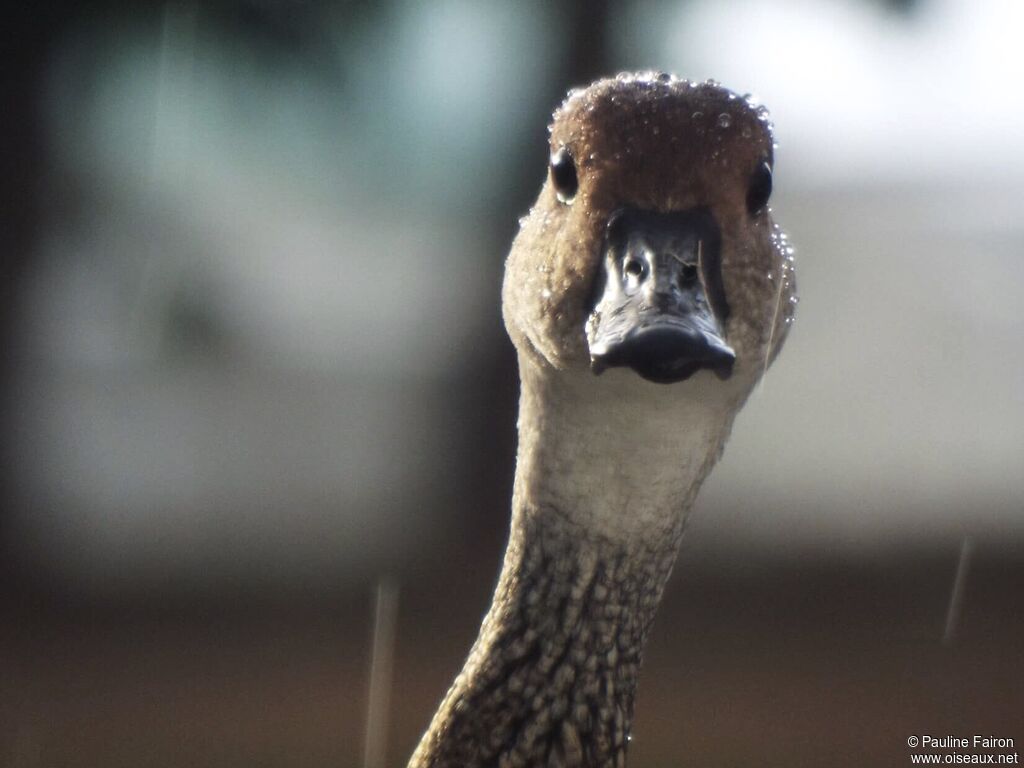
(760, 189)
(563, 174)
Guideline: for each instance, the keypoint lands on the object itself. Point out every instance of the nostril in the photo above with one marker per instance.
(687, 275)
(633, 267)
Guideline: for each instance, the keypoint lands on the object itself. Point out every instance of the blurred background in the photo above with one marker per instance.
(258, 406)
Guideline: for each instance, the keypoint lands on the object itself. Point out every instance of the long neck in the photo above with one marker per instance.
(552, 676)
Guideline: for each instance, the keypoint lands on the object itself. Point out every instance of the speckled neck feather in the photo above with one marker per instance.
(551, 681)
(603, 484)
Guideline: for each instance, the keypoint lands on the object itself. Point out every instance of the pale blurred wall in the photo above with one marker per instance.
(268, 286)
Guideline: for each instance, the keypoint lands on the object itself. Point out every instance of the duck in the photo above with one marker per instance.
(646, 293)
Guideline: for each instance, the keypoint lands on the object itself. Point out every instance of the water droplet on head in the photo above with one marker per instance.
(724, 120)
(697, 115)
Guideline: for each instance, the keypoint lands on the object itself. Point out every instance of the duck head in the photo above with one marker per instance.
(651, 246)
